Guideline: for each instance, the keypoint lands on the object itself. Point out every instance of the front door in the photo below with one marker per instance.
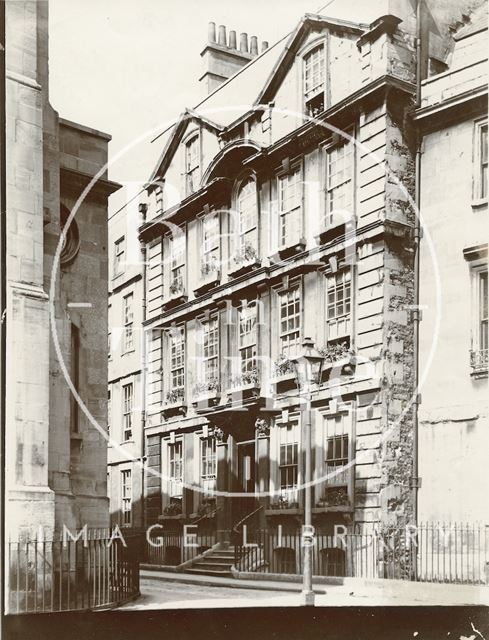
(246, 467)
(244, 504)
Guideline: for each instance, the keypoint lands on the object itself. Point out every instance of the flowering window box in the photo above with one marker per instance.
(340, 357)
(174, 403)
(247, 384)
(206, 394)
(245, 260)
(283, 375)
(178, 295)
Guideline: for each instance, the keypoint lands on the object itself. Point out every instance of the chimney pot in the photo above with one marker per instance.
(211, 32)
(264, 45)
(243, 43)
(232, 40)
(222, 35)
(254, 46)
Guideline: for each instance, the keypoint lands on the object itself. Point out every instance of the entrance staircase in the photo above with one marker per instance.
(217, 562)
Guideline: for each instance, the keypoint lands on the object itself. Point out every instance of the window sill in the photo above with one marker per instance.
(180, 516)
(208, 283)
(174, 300)
(287, 251)
(283, 512)
(479, 373)
(338, 508)
(117, 276)
(244, 268)
(480, 204)
(126, 353)
(131, 441)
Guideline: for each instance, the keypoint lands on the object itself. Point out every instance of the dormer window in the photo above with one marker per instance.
(192, 164)
(314, 81)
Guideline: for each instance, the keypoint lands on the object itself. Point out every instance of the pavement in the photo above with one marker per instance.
(169, 590)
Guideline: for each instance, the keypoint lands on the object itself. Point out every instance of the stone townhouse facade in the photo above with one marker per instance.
(55, 459)
(125, 313)
(290, 217)
(454, 435)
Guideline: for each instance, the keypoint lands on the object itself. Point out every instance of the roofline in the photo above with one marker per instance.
(70, 124)
(182, 120)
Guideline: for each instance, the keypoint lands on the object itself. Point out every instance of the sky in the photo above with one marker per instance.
(130, 68)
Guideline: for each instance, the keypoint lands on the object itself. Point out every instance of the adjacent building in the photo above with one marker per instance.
(55, 458)
(454, 434)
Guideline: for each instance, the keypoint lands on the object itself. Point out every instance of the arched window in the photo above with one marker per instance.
(247, 232)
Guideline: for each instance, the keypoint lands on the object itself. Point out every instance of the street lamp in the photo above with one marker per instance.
(308, 365)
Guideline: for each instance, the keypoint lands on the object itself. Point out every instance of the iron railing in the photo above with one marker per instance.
(69, 575)
(432, 552)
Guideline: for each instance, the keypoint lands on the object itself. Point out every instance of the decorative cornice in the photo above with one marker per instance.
(77, 181)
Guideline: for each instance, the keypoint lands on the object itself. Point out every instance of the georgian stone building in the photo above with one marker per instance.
(55, 459)
(283, 207)
(454, 433)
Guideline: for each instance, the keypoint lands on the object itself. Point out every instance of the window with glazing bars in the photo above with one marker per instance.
(339, 178)
(177, 359)
(119, 250)
(290, 322)
(175, 464)
(339, 305)
(128, 322)
(127, 396)
(248, 218)
(483, 326)
(290, 209)
(289, 461)
(314, 81)
(177, 252)
(126, 496)
(208, 464)
(210, 243)
(336, 445)
(210, 350)
(192, 164)
(482, 153)
(247, 337)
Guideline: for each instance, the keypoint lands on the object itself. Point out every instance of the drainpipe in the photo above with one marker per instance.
(416, 316)
(142, 459)
(3, 269)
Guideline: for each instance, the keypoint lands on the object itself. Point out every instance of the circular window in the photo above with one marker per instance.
(71, 244)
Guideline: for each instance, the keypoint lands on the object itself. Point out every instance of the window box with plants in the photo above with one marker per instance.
(334, 498)
(206, 393)
(246, 259)
(173, 511)
(207, 508)
(174, 402)
(246, 383)
(283, 505)
(210, 275)
(283, 374)
(339, 355)
(178, 294)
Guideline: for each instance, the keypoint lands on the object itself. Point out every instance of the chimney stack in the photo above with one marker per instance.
(221, 57)
(243, 43)
(264, 46)
(254, 46)
(222, 35)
